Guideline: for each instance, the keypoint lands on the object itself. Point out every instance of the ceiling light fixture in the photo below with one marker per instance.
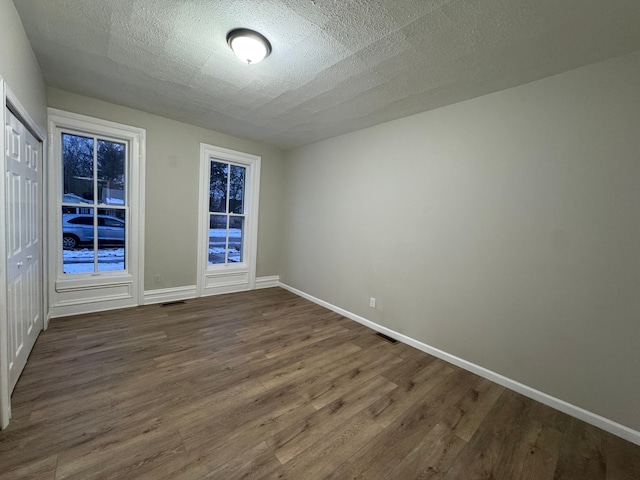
(249, 46)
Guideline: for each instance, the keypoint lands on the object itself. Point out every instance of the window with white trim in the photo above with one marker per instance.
(95, 212)
(228, 229)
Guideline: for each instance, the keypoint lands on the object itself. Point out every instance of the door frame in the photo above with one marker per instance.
(11, 101)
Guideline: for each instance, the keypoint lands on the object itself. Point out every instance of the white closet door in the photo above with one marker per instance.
(24, 243)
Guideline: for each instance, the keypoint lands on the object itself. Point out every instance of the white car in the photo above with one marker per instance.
(77, 229)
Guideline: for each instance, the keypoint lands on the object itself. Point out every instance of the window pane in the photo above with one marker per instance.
(77, 241)
(111, 177)
(77, 166)
(217, 238)
(236, 189)
(111, 239)
(81, 219)
(236, 232)
(218, 187)
(85, 210)
(84, 266)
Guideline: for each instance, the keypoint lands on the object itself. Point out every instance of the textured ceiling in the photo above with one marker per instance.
(336, 66)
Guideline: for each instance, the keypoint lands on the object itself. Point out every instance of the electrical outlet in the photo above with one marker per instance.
(156, 279)
(372, 302)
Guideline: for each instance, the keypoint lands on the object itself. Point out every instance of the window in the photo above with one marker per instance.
(227, 241)
(226, 212)
(94, 173)
(95, 214)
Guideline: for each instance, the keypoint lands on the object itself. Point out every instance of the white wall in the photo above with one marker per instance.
(18, 65)
(504, 230)
(171, 205)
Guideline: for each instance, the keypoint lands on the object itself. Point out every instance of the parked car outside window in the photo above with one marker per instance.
(77, 229)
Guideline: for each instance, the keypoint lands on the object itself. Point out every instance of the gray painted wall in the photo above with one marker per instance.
(171, 197)
(18, 65)
(504, 230)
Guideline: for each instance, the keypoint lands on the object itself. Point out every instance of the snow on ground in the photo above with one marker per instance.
(216, 255)
(81, 260)
(221, 233)
(218, 240)
(110, 259)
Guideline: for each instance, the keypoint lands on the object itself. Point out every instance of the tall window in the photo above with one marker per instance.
(94, 203)
(228, 226)
(226, 212)
(95, 214)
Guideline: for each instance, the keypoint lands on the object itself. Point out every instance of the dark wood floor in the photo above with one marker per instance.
(265, 384)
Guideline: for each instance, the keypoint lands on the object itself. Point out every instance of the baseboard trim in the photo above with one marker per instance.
(268, 282)
(591, 418)
(173, 294)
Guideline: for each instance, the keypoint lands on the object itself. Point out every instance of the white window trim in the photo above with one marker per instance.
(228, 278)
(84, 293)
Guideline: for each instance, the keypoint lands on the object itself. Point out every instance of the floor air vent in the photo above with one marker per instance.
(170, 304)
(387, 337)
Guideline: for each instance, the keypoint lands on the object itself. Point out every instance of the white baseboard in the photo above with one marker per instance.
(268, 282)
(173, 294)
(106, 304)
(591, 418)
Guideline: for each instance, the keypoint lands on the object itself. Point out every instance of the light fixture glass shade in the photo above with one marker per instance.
(249, 46)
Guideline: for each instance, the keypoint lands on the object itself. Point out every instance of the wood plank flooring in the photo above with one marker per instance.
(266, 385)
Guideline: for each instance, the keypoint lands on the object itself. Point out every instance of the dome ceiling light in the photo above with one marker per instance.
(249, 46)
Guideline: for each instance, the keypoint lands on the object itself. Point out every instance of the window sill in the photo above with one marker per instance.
(91, 281)
(227, 267)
